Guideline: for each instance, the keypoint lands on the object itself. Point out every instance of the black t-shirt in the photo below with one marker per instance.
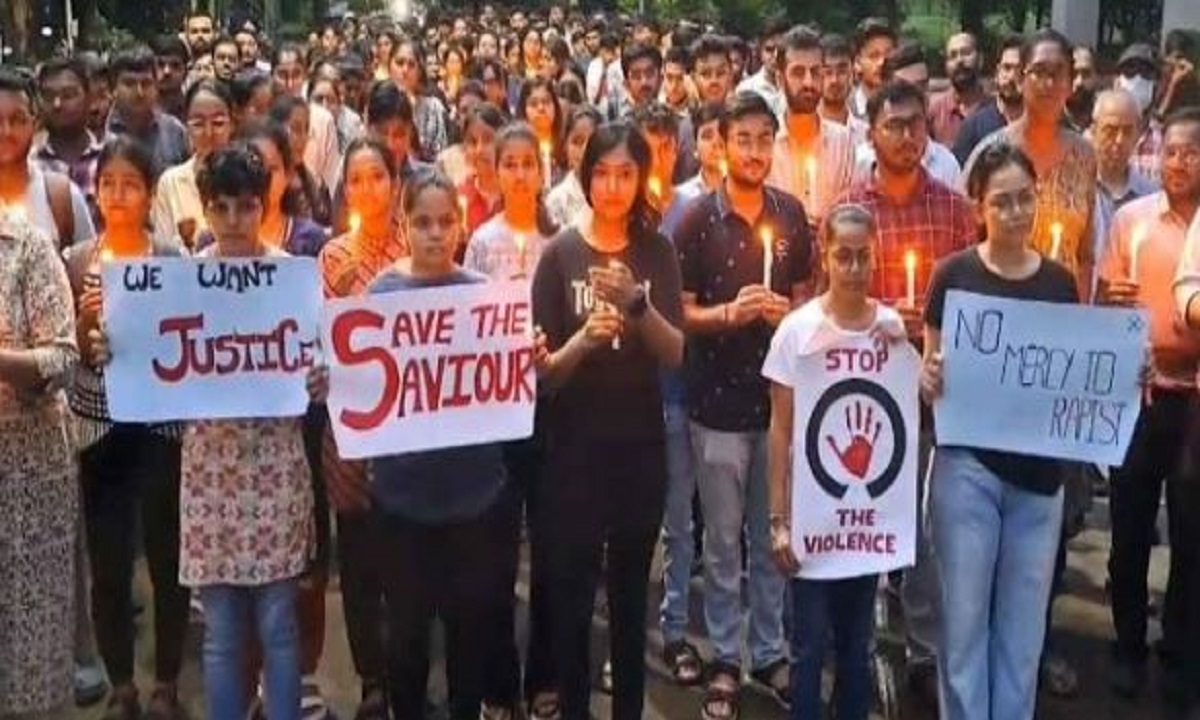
(719, 254)
(986, 120)
(613, 395)
(1052, 282)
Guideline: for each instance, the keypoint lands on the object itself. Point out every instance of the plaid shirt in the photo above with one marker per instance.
(1147, 154)
(934, 223)
(82, 172)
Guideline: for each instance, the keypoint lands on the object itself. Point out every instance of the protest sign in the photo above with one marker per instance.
(430, 368)
(854, 460)
(210, 338)
(1046, 379)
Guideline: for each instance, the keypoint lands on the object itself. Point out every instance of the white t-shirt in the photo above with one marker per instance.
(493, 251)
(39, 213)
(809, 330)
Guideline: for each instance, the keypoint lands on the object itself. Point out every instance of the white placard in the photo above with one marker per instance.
(1047, 379)
(430, 368)
(210, 338)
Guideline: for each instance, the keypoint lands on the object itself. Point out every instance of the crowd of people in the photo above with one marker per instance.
(642, 164)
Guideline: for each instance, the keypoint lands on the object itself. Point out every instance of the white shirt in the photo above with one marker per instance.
(566, 203)
(769, 91)
(938, 161)
(615, 85)
(37, 210)
(321, 155)
(833, 152)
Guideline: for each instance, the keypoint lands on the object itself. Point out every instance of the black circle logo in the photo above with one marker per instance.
(812, 438)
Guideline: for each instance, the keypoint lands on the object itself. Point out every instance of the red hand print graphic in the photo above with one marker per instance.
(864, 431)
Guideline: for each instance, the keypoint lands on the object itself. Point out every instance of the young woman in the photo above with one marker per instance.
(447, 517)
(454, 64)
(348, 264)
(995, 516)
(846, 605)
(260, 507)
(608, 297)
(566, 202)
(385, 43)
(127, 470)
(538, 106)
(505, 247)
(480, 192)
(310, 195)
(178, 212)
(452, 160)
(429, 114)
(532, 51)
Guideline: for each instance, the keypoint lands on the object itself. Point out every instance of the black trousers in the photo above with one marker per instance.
(524, 461)
(1154, 457)
(455, 572)
(362, 557)
(1181, 613)
(130, 471)
(600, 509)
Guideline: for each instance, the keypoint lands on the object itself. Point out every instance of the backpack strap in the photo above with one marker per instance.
(58, 194)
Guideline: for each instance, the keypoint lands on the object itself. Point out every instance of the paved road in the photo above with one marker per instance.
(1082, 626)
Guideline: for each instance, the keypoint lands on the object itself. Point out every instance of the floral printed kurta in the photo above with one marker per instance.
(38, 496)
(246, 504)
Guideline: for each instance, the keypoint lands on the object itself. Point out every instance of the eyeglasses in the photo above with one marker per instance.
(915, 126)
(747, 143)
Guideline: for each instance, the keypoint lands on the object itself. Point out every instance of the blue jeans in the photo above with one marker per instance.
(731, 471)
(679, 549)
(228, 612)
(996, 545)
(847, 607)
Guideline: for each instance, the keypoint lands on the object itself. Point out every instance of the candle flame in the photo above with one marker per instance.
(768, 237)
(910, 260)
(724, 166)
(1139, 234)
(354, 222)
(810, 166)
(1056, 229)
(106, 255)
(654, 185)
(519, 240)
(545, 148)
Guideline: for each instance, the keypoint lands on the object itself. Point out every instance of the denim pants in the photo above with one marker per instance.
(921, 591)
(731, 471)
(996, 545)
(847, 608)
(228, 612)
(679, 547)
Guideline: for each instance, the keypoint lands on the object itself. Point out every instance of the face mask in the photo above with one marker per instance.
(1139, 87)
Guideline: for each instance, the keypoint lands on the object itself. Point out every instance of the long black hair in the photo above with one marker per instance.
(278, 135)
(521, 132)
(643, 218)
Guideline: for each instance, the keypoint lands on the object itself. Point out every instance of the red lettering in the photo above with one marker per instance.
(183, 326)
(341, 334)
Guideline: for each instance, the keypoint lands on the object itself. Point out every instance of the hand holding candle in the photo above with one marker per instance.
(910, 277)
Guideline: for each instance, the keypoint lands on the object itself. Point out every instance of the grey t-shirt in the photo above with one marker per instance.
(436, 486)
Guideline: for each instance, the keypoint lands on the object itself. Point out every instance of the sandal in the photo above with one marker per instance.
(682, 658)
(776, 679)
(722, 696)
(545, 706)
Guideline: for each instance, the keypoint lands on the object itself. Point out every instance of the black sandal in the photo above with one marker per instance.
(776, 679)
(722, 696)
(683, 659)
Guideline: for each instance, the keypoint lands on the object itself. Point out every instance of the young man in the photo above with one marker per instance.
(1167, 253)
(321, 155)
(1138, 74)
(676, 94)
(198, 32)
(730, 311)
(837, 82)
(964, 68)
(642, 67)
(1084, 83)
(813, 157)
(875, 41)
(171, 55)
(994, 114)
(135, 108)
(605, 80)
(67, 146)
(712, 73)
(767, 81)
(710, 152)
(227, 58)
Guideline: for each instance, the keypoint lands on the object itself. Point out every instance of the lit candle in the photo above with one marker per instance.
(106, 255)
(462, 211)
(1056, 232)
(810, 182)
(724, 166)
(910, 277)
(768, 239)
(654, 185)
(1135, 245)
(547, 168)
(354, 222)
(519, 240)
(616, 341)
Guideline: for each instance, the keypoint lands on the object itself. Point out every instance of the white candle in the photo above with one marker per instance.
(547, 167)
(910, 277)
(462, 211)
(616, 341)
(1056, 233)
(723, 165)
(519, 240)
(810, 183)
(654, 186)
(1135, 246)
(768, 239)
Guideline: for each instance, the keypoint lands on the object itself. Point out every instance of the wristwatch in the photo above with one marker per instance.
(637, 308)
